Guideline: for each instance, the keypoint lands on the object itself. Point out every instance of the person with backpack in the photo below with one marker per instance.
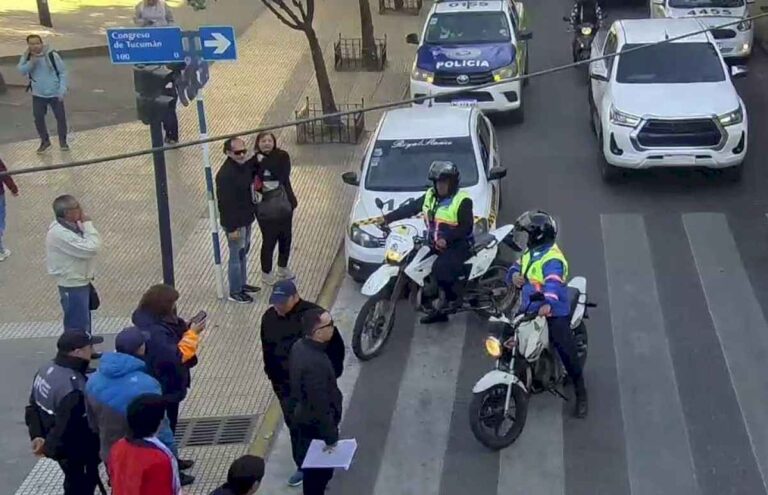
(48, 83)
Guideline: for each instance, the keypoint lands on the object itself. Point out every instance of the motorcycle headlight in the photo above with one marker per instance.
(493, 347)
(507, 72)
(418, 74)
(363, 238)
(481, 227)
(623, 119)
(744, 25)
(586, 30)
(732, 118)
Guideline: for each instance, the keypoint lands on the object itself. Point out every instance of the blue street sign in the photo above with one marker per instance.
(218, 43)
(157, 45)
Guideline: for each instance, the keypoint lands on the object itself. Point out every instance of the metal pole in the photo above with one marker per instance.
(211, 196)
(44, 13)
(163, 210)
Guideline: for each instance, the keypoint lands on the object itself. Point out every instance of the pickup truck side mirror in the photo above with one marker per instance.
(524, 35)
(497, 173)
(350, 178)
(412, 39)
(661, 2)
(739, 71)
(598, 72)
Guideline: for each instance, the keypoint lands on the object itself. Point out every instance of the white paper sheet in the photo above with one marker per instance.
(340, 457)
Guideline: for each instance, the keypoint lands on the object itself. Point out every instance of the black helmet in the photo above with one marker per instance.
(540, 227)
(439, 170)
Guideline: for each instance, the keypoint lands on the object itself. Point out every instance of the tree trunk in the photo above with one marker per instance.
(370, 54)
(321, 73)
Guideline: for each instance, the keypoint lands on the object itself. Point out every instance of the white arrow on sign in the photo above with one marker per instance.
(220, 43)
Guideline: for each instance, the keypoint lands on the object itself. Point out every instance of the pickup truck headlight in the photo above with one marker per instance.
(363, 238)
(418, 74)
(732, 118)
(623, 119)
(744, 25)
(507, 72)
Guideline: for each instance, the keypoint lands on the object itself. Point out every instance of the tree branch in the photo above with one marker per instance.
(293, 23)
(299, 6)
(310, 11)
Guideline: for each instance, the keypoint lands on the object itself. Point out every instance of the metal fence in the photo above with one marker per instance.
(347, 128)
(406, 6)
(349, 54)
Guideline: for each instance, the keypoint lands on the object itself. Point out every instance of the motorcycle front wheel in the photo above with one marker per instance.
(373, 326)
(490, 424)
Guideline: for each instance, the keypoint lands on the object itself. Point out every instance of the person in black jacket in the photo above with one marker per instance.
(56, 417)
(316, 401)
(273, 181)
(281, 327)
(234, 192)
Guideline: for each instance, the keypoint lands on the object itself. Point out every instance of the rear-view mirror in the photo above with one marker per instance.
(497, 173)
(412, 39)
(738, 71)
(525, 35)
(379, 203)
(350, 178)
(598, 72)
(566, 19)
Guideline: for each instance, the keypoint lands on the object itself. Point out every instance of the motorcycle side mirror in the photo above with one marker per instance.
(537, 297)
(566, 19)
(379, 203)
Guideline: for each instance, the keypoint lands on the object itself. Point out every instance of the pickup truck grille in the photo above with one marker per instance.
(723, 34)
(694, 133)
(449, 78)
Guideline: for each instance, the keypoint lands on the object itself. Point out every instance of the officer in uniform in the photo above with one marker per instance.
(56, 415)
(448, 212)
(543, 268)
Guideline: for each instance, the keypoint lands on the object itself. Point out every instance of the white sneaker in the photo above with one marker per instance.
(268, 279)
(285, 273)
(4, 254)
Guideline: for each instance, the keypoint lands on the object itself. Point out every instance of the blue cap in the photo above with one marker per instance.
(282, 291)
(130, 339)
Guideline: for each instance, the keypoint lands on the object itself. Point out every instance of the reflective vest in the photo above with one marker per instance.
(535, 272)
(442, 215)
(54, 382)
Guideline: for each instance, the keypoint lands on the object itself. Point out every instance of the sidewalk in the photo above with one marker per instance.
(257, 89)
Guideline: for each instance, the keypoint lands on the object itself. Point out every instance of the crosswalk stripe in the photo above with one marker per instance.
(534, 463)
(658, 451)
(418, 433)
(738, 319)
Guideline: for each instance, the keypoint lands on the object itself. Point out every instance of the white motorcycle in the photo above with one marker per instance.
(408, 266)
(526, 364)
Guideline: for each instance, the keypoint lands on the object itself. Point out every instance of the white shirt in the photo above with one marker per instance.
(70, 257)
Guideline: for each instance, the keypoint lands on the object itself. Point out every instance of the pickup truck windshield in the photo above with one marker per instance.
(670, 63)
(705, 4)
(467, 28)
(403, 164)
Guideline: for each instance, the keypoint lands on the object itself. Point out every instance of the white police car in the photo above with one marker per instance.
(469, 43)
(395, 165)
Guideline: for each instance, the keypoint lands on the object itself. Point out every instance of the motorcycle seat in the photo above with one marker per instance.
(482, 241)
(573, 299)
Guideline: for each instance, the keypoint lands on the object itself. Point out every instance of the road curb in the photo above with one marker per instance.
(265, 434)
(84, 51)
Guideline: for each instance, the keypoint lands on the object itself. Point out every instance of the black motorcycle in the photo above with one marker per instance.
(583, 36)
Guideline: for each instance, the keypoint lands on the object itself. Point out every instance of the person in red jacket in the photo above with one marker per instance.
(140, 464)
(5, 181)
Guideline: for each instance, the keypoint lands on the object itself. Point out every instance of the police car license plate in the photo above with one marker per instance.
(463, 103)
(724, 48)
(679, 160)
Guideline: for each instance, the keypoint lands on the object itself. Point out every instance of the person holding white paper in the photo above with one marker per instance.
(315, 404)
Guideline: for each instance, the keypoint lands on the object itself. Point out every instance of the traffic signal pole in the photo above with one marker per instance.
(163, 208)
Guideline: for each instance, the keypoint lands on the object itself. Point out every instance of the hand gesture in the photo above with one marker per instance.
(441, 244)
(329, 448)
(84, 218)
(233, 236)
(37, 446)
(15, 194)
(259, 157)
(518, 280)
(545, 310)
(197, 326)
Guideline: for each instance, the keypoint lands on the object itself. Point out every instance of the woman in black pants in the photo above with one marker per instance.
(276, 201)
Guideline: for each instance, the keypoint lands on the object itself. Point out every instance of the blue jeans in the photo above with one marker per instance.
(76, 303)
(238, 262)
(2, 220)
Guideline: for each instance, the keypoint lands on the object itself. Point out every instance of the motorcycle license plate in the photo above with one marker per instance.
(463, 103)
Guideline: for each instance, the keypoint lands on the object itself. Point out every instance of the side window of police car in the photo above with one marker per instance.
(513, 18)
(610, 49)
(484, 135)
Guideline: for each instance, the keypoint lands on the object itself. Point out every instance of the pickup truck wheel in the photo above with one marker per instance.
(608, 172)
(732, 174)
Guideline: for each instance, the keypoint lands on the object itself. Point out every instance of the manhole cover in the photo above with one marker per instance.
(224, 430)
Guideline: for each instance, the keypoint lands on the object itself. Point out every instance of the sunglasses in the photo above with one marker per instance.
(239, 152)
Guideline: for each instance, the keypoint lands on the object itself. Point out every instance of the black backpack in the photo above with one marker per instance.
(53, 64)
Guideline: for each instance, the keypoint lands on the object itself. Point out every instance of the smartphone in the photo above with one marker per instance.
(199, 317)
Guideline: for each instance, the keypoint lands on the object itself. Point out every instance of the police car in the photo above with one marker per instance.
(468, 43)
(395, 165)
(735, 41)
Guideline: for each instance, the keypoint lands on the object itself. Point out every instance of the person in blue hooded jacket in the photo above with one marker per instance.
(122, 377)
(48, 81)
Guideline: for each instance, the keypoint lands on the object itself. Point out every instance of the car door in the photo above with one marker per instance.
(489, 152)
(519, 23)
(601, 70)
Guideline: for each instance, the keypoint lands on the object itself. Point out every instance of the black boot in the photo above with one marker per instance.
(185, 464)
(434, 317)
(580, 409)
(186, 479)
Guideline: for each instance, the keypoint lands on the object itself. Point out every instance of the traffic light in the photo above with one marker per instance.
(152, 98)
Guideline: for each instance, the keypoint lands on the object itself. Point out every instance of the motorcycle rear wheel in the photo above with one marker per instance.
(486, 415)
(373, 326)
(582, 343)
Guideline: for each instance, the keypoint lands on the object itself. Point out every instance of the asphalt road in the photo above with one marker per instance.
(676, 371)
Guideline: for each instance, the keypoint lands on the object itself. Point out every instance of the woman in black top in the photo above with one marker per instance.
(276, 202)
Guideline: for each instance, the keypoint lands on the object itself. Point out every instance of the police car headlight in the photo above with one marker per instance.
(732, 118)
(507, 72)
(586, 30)
(481, 227)
(744, 25)
(363, 238)
(418, 74)
(623, 119)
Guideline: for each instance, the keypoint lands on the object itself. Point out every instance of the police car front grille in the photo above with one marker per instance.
(723, 34)
(225, 430)
(451, 78)
(693, 133)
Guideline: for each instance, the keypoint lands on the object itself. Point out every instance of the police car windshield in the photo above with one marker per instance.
(403, 164)
(701, 4)
(670, 63)
(467, 28)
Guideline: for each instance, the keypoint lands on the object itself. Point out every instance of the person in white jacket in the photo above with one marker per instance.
(71, 245)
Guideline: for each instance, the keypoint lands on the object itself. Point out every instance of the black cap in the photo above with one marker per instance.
(130, 339)
(245, 472)
(72, 340)
(282, 291)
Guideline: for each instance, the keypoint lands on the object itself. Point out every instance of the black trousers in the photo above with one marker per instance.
(276, 234)
(80, 477)
(449, 266)
(40, 108)
(172, 410)
(315, 480)
(562, 337)
(283, 393)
